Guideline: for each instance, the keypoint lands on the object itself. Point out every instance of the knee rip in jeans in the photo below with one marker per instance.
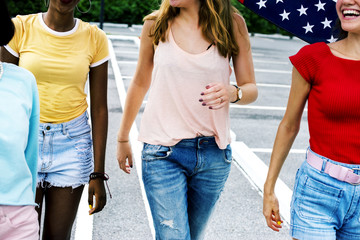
(168, 223)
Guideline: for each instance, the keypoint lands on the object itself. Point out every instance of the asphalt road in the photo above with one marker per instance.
(239, 212)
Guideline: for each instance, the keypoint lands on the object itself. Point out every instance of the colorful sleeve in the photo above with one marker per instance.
(31, 151)
(307, 61)
(102, 49)
(13, 46)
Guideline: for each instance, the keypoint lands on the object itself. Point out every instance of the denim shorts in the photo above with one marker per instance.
(183, 184)
(324, 208)
(65, 153)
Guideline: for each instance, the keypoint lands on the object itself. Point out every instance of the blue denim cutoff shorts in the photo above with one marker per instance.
(324, 208)
(183, 183)
(65, 153)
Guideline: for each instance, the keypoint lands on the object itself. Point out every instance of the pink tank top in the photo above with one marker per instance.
(173, 111)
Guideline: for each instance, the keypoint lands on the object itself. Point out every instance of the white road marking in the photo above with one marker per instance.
(127, 62)
(126, 52)
(256, 171)
(272, 71)
(136, 145)
(269, 108)
(273, 85)
(269, 150)
(270, 62)
(84, 221)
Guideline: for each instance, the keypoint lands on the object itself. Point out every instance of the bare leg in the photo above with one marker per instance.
(39, 200)
(61, 206)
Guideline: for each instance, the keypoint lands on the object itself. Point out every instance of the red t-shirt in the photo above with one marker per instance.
(333, 102)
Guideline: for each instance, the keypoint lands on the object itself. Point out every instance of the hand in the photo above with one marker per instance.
(97, 189)
(271, 211)
(215, 96)
(124, 153)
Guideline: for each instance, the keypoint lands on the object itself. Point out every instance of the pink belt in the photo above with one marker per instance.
(336, 171)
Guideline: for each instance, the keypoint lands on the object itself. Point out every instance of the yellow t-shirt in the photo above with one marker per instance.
(60, 62)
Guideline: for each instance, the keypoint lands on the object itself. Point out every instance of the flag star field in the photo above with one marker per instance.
(310, 20)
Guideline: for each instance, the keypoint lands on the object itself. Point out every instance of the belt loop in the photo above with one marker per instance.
(307, 153)
(323, 164)
(63, 129)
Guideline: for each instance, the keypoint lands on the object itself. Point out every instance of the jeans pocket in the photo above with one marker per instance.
(228, 154)
(78, 131)
(155, 152)
(318, 201)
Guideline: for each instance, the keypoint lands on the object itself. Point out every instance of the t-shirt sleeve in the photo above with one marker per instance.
(13, 46)
(102, 48)
(307, 61)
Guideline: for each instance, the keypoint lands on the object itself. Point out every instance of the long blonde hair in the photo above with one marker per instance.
(215, 20)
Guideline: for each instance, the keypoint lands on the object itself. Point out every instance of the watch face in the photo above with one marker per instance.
(239, 93)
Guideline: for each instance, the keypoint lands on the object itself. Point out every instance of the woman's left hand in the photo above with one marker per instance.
(215, 96)
(97, 189)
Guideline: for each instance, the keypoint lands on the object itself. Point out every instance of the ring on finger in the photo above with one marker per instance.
(221, 100)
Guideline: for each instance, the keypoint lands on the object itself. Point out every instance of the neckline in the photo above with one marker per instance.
(172, 39)
(340, 58)
(56, 33)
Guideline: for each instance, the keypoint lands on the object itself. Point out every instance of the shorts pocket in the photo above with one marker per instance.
(318, 201)
(228, 154)
(78, 131)
(155, 152)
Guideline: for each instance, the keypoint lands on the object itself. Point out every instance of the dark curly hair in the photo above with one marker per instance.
(7, 26)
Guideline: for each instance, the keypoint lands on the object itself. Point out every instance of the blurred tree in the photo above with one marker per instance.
(24, 7)
(132, 12)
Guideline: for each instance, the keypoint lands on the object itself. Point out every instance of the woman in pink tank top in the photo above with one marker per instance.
(184, 56)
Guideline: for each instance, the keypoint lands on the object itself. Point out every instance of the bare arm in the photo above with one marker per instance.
(243, 69)
(137, 90)
(5, 56)
(99, 120)
(286, 134)
(243, 64)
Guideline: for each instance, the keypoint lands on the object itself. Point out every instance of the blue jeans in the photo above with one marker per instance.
(324, 208)
(183, 183)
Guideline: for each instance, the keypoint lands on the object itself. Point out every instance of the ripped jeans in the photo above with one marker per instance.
(65, 153)
(182, 184)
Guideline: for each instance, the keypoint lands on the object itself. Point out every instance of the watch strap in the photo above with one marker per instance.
(238, 95)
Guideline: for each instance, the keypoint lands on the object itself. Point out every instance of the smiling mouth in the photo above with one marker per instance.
(351, 13)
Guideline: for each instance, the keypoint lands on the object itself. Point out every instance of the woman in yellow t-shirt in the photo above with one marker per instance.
(62, 51)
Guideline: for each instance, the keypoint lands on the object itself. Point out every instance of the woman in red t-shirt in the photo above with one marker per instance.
(325, 203)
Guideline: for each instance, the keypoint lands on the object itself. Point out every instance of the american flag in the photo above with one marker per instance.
(310, 20)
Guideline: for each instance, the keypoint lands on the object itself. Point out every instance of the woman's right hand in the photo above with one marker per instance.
(271, 211)
(124, 153)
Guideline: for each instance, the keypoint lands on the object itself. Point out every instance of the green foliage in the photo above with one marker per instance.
(118, 11)
(24, 7)
(132, 12)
